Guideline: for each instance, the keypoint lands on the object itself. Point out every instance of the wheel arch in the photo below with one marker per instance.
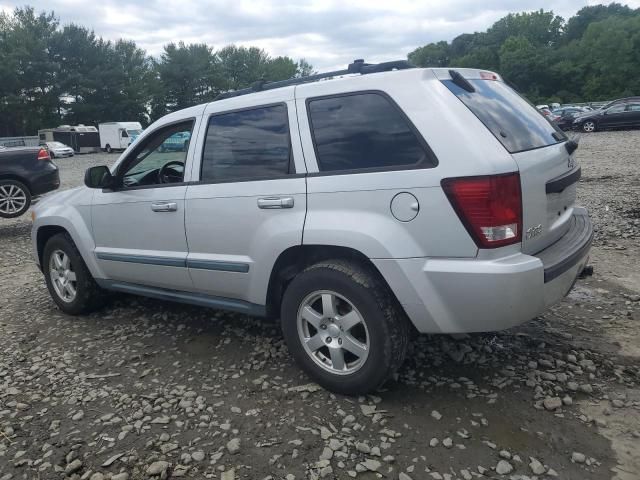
(45, 227)
(17, 178)
(43, 234)
(295, 259)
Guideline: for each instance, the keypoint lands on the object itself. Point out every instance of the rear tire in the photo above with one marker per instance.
(15, 198)
(352, 308)
(68, 279)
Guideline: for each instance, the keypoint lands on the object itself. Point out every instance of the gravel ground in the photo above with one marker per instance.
(148, 389)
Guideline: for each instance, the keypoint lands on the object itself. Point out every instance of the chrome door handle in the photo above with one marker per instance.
(164, 207)
(275, 202)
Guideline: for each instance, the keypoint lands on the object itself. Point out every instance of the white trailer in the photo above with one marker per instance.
(118, 135)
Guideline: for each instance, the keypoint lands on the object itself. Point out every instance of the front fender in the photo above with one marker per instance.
(70, 210)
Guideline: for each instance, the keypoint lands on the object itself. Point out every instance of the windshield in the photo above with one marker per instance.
(56, 145)
(513, 120)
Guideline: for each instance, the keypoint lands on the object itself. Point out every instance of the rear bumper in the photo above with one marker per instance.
(46, 181)
(478, 295)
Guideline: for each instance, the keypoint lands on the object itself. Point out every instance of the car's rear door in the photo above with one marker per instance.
(247, 201)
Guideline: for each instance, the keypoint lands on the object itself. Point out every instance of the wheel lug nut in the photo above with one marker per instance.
(339, 341)
(328, 339)
(323, 326)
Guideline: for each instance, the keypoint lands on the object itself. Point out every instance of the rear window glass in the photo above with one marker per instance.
(512, 119)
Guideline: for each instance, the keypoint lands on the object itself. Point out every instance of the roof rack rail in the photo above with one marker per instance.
(358, 66)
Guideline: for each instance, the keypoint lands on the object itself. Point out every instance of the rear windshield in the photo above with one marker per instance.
(512, 119)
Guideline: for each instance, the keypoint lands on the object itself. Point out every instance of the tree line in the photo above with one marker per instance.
(52, 74)
(592, 56)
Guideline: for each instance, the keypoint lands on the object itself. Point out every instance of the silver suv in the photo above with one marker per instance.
(379, 201)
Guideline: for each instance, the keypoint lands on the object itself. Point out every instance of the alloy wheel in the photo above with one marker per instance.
(63, 278)
(588, 126)
(12, 199)
(333, 332)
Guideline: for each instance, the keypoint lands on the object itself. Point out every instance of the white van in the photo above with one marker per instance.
(118, 135)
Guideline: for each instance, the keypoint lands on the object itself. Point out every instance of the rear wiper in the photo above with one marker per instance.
(460, 81)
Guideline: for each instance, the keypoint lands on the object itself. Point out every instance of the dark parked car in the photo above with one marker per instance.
(25, 172)
(563, 117)
(622, 114)
(620, 100)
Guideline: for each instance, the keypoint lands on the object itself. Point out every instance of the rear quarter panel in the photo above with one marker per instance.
(353, 210)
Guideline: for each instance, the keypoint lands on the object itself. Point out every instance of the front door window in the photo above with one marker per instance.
(159, 159)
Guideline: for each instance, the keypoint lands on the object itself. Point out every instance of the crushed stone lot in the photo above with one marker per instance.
(150, 389)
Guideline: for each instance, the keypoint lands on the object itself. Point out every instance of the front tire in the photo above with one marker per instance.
(108, 148)
(589, 126)
(68, 279)
(15, 198)
(344, 327)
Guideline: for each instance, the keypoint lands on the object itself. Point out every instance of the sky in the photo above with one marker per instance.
(327, 33)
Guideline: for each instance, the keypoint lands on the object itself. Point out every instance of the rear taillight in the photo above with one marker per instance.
(43, 155)
(489, 207)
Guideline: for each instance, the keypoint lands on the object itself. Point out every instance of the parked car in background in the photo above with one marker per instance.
(25, 172)
(178, 142)
(58, 149)
(545, 111)
(619, 100)
(563, 116)
(623, 113)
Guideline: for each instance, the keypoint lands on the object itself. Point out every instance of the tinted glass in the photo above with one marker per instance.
(634, 107)
(362, 131)
(616, 109)
(247, 144)
(512, 119)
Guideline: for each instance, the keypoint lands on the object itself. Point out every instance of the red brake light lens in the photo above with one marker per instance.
(44, 155)
(489, 207)
(488, 76)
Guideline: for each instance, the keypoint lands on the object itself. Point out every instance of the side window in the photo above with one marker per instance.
(364, 131)
(247, 145)
(616, 109)
(159, 158)
(633, 107)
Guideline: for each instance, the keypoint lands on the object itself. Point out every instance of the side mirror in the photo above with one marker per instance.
(98, 177)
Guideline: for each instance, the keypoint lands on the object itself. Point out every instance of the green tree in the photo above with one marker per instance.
(431, 55)
(578, 24)
(28, 71)
(593, 56)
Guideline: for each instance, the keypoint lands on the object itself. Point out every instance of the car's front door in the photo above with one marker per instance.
(247, 200)
(138, 226)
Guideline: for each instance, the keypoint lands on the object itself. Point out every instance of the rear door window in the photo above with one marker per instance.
(510, 118)
(250, 144)
(364, 131)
